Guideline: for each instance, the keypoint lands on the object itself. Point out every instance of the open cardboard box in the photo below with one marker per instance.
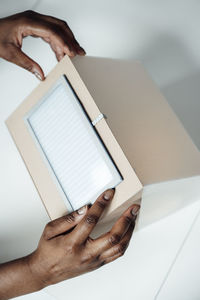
(147, 130)
(68, 148)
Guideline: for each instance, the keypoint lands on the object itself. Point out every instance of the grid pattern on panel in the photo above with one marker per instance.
(71, 146)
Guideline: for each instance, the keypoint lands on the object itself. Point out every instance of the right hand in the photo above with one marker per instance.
(54, 31)
(66, 250)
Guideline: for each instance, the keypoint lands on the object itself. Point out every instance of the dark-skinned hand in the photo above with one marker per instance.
(29, 23)
(61, 255)
(66, 249)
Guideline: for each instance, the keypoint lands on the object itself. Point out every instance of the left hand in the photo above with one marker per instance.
(29, 23)
(66, 250)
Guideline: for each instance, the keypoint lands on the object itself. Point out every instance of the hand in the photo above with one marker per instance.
(29, 23)
(66, 250)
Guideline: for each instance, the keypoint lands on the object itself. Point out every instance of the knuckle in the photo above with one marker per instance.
(127, 220)
(87, 258)
(102, 263)
(101, 204)
(70, 218)
(46, 235)
(63, 23)
(84, 260)
(90, 241)
(48, 226)
(114, 239)
(28, 67)
(76, 42)
(54, 29)
(47, 230)
(122, 248)
(70, 248)
(91, 219)
(29, 14)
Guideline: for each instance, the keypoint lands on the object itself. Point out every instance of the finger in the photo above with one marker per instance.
(110, 259)
(58, 45)
(116, 234)
(85, 227)
(59, 51)
(65, 223)
(16, 56)
(67, 32)
(79, 49)
(51, 33)
(54, 31)
(60, 40)
(119, 249)
(114, 252)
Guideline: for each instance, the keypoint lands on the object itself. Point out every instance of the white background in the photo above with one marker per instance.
(160, 262)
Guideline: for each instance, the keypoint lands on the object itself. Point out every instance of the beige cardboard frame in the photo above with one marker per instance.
(127, 191)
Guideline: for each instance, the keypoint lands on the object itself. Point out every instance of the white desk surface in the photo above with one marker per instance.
(148, 270)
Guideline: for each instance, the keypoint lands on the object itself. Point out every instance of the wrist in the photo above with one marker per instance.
(33, 271)
(16, 279)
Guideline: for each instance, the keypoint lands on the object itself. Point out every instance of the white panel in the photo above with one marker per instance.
(71, 146)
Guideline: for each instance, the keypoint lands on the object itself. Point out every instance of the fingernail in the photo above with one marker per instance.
(108, 194)
(38, 75)
(81, 210)
(135, 210)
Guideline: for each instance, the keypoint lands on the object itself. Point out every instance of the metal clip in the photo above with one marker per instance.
(99, 118)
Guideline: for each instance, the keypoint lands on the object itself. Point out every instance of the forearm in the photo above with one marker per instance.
(16, 279)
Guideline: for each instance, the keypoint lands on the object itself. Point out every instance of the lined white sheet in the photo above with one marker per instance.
(73, 150)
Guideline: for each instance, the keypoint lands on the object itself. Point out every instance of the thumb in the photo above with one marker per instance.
(65, 223)
(18, 57)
